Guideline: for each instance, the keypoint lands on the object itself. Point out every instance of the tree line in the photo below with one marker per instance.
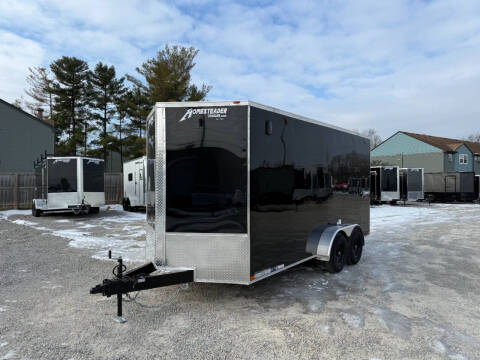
(94, 111)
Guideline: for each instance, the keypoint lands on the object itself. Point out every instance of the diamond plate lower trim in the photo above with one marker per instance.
(223, 258)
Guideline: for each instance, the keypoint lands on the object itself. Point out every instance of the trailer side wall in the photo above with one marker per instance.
(299, 176)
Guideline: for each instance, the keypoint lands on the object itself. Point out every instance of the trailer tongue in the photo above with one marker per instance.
(143, 277)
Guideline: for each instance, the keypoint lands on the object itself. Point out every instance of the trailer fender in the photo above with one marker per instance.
(320, 240)
(40, 203)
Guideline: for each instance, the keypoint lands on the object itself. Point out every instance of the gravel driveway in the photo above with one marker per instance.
(414, 295)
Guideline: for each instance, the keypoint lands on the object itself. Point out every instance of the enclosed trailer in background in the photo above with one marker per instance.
(386, 184)
(454, 186)
(134, 182)
(411, 184)
(375, 192)
(68, 183)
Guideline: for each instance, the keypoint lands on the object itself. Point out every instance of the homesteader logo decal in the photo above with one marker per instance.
(217, 113)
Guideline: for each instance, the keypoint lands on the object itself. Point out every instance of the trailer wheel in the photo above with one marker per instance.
(126, 205)
(357, 240)
(94, 210)
(338, 254)
(35, 212)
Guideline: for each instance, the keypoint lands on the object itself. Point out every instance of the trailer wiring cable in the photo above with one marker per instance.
(160, 306)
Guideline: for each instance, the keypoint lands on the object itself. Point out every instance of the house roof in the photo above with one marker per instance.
(446, 144)
(46, 122)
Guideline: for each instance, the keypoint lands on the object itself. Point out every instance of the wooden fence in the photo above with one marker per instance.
(17, 189)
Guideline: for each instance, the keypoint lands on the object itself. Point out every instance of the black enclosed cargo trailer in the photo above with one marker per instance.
(238, 191)
(454, 186)
(411, 184)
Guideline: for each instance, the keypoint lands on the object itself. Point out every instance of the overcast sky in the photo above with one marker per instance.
(389, 65)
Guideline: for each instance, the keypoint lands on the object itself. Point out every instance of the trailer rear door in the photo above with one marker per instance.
(206, 170)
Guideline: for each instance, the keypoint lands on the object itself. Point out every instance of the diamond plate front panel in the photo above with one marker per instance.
(221, 258)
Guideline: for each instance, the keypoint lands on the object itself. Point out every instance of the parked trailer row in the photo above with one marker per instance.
(391, 184)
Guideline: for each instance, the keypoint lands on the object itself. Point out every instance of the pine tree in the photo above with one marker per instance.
(136, 108)
(106, 92)
(167, 76)
(70, 96)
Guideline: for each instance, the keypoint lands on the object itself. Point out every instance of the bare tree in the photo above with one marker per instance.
(19, 103)
(40, 90)
(473, 137)
(372, 134)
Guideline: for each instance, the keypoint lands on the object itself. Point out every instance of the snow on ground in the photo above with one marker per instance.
(7, 213)
(124, 232)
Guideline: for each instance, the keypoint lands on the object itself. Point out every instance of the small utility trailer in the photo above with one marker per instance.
(411, 184)
(385, 184)
(450, 186)
(68, 183)
(238, 191)
(134, 181)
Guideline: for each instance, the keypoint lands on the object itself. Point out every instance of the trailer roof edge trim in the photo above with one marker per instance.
(258, 105)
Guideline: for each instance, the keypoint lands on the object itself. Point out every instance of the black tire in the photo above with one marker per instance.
(338, 254)
(357, 240)
(126, 205)
(94, 210)
(35, 212)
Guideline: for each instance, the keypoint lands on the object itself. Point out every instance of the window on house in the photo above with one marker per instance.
(450, 157)
(463, 158)
(130, 177)
(477, 157)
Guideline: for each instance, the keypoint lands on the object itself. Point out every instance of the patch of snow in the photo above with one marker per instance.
(352, 320)
(62, 221)
(9, 355)
(86, 226)
(5, 214)
(439, 347)
(130, 250)
(124, 217)
(457, 357)
(24, 222)
(42, 228)
(130, 228)
(2, 309)
(3, 344)
(51, 287)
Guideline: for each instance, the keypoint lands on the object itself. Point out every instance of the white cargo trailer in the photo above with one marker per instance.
(134, 181)
(68, 183)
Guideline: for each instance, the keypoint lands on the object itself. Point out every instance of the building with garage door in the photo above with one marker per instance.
(434, 154)
(23, 137)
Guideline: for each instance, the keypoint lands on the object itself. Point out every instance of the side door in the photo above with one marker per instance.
(139, 183)
(450, 184)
